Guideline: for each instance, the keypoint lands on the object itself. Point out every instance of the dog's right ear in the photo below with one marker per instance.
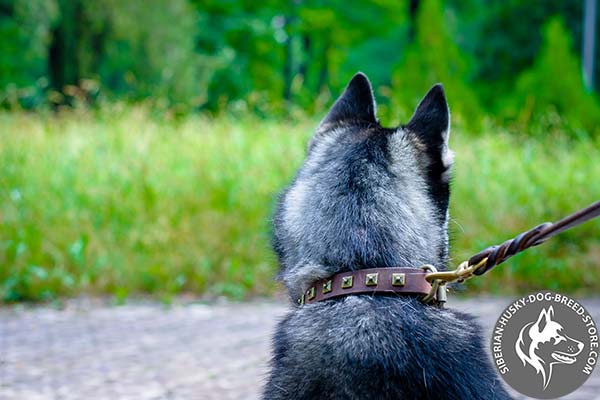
(431, 120)
(356, 103)
(431, 124)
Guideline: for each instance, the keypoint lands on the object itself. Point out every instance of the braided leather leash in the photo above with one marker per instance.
(487, 259)
(498, 254)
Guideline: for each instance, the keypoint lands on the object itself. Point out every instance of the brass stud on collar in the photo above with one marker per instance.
(371, 279)
(398, 279)
(327, 286)
(311, 293)
(301, 300)
(347, 282)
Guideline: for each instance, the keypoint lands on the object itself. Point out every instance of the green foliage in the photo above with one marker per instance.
(152, 57)
(240, 39)
(24, 37)
(236, 56)
(132, 49)
(278, 53)
(118, 201)
(504, 48)
(274, 57)
(551, 95)
(434, 57)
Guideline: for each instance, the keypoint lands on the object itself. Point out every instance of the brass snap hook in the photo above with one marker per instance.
(437, 289)
(439, 279)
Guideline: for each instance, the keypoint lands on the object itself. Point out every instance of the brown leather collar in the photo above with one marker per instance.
(375, 281)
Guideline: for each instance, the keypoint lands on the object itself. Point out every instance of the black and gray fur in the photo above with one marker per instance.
(372, 197)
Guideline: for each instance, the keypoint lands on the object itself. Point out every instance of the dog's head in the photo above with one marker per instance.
(544, 343)
(367, 196)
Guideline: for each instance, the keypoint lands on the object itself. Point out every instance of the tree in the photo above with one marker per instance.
(554, 85)
(434, 57)
(24, 36)
(505, 36)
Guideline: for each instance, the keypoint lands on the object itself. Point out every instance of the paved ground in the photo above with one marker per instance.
(91, 350)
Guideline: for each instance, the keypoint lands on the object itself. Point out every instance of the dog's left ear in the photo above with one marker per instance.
(431, 120)
(545, 317)
(356, 103)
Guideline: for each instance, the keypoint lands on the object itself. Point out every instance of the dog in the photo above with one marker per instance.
(372, 197)
(543, 344)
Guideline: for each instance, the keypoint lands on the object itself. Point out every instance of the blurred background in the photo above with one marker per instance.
(143, 142)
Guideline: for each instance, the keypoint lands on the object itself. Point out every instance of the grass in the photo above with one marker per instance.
(121, 202)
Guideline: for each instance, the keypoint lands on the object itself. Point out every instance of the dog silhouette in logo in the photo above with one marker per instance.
(544, 343)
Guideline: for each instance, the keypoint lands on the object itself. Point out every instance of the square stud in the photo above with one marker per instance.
(371, 279)
(311, 293)
(398, 279)
(327, 286)
(347, 282)
(301, 300)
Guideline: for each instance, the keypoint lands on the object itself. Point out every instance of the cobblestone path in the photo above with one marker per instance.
(91, 350)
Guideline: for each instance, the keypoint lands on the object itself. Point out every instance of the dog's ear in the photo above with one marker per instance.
(544, 318)
(431, 120)
(356, 103)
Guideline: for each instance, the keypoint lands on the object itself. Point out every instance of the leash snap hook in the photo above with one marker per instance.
(438, 287)
(439, 279)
